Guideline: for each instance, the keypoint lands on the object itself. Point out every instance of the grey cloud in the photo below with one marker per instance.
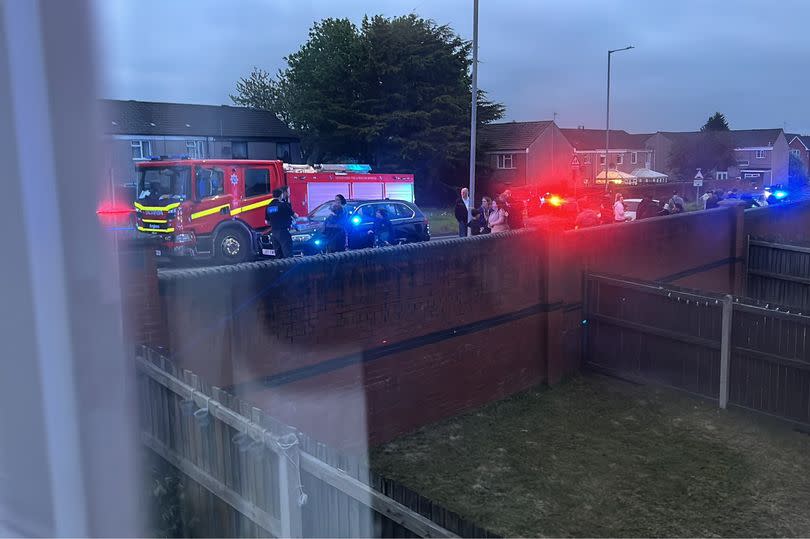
(743, 57)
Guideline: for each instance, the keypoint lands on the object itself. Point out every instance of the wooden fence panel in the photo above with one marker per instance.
(662, 335)
(249, 473)
(671, 336)
(779, 273)
(770, 366)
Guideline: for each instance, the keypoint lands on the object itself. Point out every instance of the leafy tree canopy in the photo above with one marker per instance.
(394, 92)
(709, 151)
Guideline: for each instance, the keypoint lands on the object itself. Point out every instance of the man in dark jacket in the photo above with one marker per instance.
(279, 216)
(515, 210)
(461, 212)
(647, 208)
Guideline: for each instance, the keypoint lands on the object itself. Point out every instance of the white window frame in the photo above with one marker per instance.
(141, 145)
(587, 159)
(505, 161)
(620, 159)
(721, 175)
(796, 153)
(602, 159)
(743, 163)
(195, 149)
(633, 158)
(759, 154)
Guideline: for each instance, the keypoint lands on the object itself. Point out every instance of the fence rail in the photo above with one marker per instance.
(720, 347)
(276, 480)
(779, 273)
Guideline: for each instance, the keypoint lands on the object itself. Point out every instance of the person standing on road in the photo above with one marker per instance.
(462, 212)
(712, 201)
(606, 210)
(382, 230)
(476, 223)
(279, 215)
(515, 208)
(486, 211)
(647, 208)
(334, 229)
(676, 199)
(618, 209)
(498, 220)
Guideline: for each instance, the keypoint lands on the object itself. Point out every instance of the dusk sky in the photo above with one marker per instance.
(745, 58)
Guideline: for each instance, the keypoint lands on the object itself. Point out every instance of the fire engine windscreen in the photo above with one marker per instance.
(164, 183)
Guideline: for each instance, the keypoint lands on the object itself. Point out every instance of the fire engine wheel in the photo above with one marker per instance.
(232, 246)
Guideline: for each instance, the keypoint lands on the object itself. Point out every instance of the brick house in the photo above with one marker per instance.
(523, 154)
(800, 148)
(629, 156)
(761, 155)
(135, 130)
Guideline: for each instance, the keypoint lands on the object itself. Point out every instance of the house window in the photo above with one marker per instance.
(796, 153)
(633, 158)
(721, 175)
(620, 159)
(283, 151)
(141, 149)
(743, 163)
(602, 159)
(505, 160)
(257, 182)
(587, 159)
(239, 150)
(195, 149)
(760, 154)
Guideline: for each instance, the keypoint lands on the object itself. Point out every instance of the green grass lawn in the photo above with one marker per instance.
(599, 457)
(442, 221)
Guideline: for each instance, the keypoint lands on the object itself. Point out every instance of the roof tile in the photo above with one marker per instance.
(178, 119)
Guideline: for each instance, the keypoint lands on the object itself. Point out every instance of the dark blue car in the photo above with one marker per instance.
(408, 222)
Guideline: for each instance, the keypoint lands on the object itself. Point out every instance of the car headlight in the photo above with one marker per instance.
(302, 237)
(183, 238)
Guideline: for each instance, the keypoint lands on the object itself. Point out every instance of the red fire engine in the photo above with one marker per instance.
(216, 207)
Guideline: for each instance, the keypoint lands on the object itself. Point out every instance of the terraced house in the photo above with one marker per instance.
(761, 155)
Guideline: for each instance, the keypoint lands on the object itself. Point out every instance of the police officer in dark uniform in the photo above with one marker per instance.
(280, 217)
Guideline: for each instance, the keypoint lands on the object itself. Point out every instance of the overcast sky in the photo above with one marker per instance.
(745, 58)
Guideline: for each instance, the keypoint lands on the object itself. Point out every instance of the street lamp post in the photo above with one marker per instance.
(607, 115)
(473, 109)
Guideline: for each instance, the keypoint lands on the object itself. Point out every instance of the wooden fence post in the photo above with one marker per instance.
(289, 492)
(725, 349)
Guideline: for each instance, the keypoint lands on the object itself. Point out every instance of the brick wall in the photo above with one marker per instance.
(781, 222)
(361, 347)
(416, 333)
(142, 315)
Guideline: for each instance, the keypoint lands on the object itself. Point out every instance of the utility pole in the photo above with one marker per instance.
(474, 108)
(553, 167)
(607, 118)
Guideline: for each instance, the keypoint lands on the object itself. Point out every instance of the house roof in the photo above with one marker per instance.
(178, 119)
(804, 139)
(511, 135)
(739, 138)
(647, 173)
(594, 139)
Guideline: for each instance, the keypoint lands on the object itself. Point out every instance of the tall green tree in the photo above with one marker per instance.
(394, 92)
(709, 151)
(716, 122)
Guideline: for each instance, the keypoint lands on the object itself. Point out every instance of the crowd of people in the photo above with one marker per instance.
(498, 214)
(614, 209)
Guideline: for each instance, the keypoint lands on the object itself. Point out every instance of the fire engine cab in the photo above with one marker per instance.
(216, 207)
